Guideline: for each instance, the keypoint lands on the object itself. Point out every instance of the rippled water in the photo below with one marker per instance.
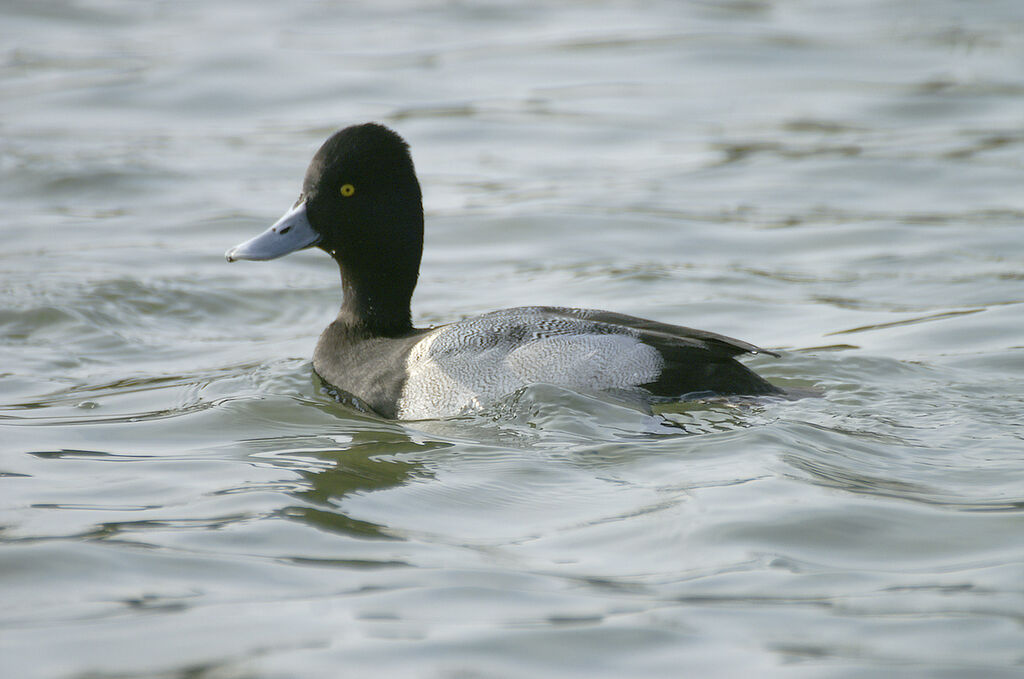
(837, 180)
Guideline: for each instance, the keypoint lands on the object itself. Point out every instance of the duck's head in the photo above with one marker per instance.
(361, 203)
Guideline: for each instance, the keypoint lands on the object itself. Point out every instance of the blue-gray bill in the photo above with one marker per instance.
(290, 233)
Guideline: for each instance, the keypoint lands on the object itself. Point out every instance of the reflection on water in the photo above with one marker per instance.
(368, 462)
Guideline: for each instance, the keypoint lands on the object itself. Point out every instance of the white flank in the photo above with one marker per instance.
(463, 367)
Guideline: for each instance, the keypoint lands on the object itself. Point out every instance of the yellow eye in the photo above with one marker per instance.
(347, 190)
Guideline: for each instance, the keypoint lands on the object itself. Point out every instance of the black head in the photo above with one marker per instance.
(361, 193)
(361, 203)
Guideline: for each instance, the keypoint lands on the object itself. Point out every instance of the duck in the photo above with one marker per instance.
(361, 203)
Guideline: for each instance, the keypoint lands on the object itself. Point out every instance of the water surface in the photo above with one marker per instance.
(839, 181)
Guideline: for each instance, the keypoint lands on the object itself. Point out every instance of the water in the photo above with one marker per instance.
(836, 180)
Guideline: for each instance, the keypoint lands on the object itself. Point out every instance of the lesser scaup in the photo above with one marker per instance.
(361, 203)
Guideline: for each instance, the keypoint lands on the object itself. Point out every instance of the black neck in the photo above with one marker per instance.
(374, 309)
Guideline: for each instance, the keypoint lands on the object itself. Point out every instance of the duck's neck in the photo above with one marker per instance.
(377, 303)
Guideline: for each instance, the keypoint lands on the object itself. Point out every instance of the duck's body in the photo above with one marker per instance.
(361, 203)
(463, 366)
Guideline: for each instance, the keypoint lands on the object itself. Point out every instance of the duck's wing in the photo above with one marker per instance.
(474, 361)
(656, 333)
(694, 360)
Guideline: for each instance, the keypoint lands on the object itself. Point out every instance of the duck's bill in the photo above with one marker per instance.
(290, 233)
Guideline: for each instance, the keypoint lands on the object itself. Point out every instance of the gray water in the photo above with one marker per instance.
(837, 180)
